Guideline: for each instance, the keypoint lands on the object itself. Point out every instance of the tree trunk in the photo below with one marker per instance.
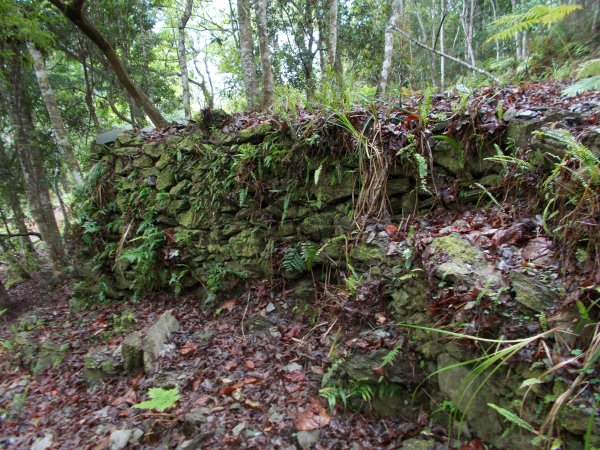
(265, 54)
(19, 218)
(62, 141)
(32, 165)
(5, 301)
(442, 47)
(333, 31)
(74, 12)
(388, 48)
(467, 17)
(247, 53)
(12, 196)
(183, 67)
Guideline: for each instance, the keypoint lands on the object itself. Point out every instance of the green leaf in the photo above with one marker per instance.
(161, 399)
(530, 382)
(512, 417)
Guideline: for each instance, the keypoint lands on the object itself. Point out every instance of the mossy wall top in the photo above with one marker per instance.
(250, 196)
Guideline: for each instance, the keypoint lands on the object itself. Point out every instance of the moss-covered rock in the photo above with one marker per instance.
(153, 150)
(462, 263)
(50, 355)
(318, 226)
(446, 156)
(247, 244)
(166, 160)
(142, 162)
(101, 363)
(180, 189)
(367, 255)
(165, 180)
(531, 292)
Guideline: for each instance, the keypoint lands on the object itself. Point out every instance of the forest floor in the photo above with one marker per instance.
(251, 368)
(255, 386)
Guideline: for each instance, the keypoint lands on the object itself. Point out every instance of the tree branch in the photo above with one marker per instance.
(451, 58)
(12, 235)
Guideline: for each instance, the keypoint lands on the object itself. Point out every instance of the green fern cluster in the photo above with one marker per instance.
(537, 15)
(295, 261)
(588, 76)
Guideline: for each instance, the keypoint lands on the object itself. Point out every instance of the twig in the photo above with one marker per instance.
(451, 58)
(244, 316)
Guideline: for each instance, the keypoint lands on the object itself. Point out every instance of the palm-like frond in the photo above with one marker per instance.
(537, 15)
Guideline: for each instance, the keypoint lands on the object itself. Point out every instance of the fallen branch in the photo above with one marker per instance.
(451, 58)
(12, 235)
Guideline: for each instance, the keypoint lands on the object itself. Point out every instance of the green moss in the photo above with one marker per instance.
(165, 180)
(247, 244)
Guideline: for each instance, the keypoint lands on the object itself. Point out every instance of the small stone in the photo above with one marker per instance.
(308, 439)
(238, 428)
(270, 308)
(42, 443)
(119, 439)
(292, 367)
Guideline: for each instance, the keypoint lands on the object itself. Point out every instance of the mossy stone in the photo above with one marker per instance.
(180, 189)
(165, 180)
(247, 244)
(318, 226)
(531, 292)
(142, 162)
(153, 150)
(367, 255)
(165, 161)
(50, 355)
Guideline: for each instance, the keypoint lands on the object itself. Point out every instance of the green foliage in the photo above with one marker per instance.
(541, 15)
(589, 78)
(160, 399)
(512, 418)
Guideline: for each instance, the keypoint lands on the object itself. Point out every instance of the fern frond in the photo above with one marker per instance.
(292, 262)
(584, 85)
(309, 251)
(537, 15)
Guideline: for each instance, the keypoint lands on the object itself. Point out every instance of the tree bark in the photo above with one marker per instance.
(12, 196)
(60, 133)
(5, 301)
(265, 54)
(442, 47)
(333, 32)
(74, 12)
(247, 53)
(183, 66)
(467, 17)
(388, 48)
(30, 158)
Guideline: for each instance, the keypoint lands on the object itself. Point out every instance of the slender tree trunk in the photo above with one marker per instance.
(518, 56)
(19, 218)
(32, 166)
(495, 17)
(62, 141)
(265, 54)
(183, 66)
(442, 46)
(5, 301)
(247, 53)
(89, 95)
(12, 196)
(333, 32)
(74, 12)
(595, 19)
(467, 17)
(388, 48)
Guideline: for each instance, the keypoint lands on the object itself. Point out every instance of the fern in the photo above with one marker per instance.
(160, 399)
(309, 251)
(292, 262)
(391, 356)
(584, 85)
(537, 15)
